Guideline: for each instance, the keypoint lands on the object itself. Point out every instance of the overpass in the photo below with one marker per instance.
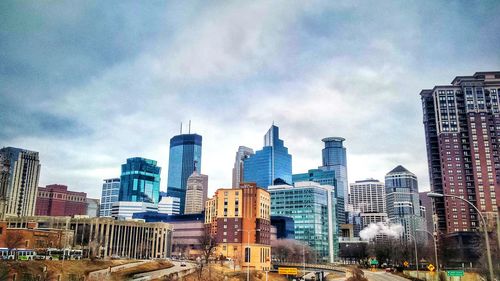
(309, 266)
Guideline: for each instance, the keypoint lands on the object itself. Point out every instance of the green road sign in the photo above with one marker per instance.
(455, 272)
(374, 262)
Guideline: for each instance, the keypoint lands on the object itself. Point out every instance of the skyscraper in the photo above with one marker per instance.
(140, 181)
(242, 154)
(185, 153)
(20, 171)
(109, 195)
(272, 163)
(368, 196)
(196, 193)
(402, 200)
(462, 123)
(335, 159)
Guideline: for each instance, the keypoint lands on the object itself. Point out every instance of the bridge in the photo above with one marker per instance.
(309, 266)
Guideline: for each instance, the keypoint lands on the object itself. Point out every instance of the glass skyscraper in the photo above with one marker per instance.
(271, 165)
(317, 175)
(109, 195)
(335, 159)
(185, 154)
(140, 181)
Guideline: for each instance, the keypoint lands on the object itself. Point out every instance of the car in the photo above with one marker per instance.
(389, 269)
(183, 263)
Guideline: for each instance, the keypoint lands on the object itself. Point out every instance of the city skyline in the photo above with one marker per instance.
(86, 108)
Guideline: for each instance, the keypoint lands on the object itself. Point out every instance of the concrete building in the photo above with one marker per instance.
(57, 200)
(368, 196)
(239, 219)
(106, 237)
(20, 170)
(196, 193)
(242, 154)
(124, 210)
(32, 237)
(462, 123)
(110, 193)
(93, 207)
(169, 205)
(312, 207)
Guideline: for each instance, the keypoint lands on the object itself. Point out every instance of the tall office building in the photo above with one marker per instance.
(240, 221)
(20, 170)
(368, 196)
(196, 193)
(403, 202)
(140, 181)
(242, 154)
(272, 164)
(462, 123)
(426, 202)
(335, 159)
(109, 195)
(311, 205)
(185, 154)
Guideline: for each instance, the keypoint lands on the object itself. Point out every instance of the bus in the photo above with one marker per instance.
(63, 254)
(5, 254)
(25, 254)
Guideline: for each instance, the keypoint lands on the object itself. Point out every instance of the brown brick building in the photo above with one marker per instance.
(57, 200)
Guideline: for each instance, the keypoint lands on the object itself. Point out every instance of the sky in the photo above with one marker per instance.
(89, 84)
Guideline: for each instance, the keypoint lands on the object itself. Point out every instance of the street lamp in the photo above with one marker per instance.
(435, 247)
(416, 254)
(248, 247)
(487, 240)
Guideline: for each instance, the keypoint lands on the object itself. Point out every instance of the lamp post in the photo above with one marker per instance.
(416, 253)
(486, 238)
(435, 247)
(248, 247)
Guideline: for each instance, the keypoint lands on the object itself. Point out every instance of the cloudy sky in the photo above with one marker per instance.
(91, 83)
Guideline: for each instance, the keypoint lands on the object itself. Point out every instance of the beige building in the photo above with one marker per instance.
(106, 237)
(20, 171)
(196, 193)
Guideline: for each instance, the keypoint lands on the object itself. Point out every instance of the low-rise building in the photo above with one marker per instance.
(124, 210)
(57, 200)
(169, 205)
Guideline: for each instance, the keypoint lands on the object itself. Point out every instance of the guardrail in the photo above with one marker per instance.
(311, 265)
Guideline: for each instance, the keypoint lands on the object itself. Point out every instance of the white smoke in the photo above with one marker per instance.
(373, 229)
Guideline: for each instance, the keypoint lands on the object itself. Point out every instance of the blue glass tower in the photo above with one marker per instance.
(140, 181)
(270, 165)
(185, 154)
(317, 175)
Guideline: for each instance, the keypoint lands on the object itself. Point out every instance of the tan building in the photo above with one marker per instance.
(105, 237)
(196, 193)
(20, 171)
(239, 219)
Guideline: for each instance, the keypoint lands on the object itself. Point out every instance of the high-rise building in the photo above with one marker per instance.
(242, 154)
(270, 165)
(169, 205)
(196, 193)
(335, 159)
(140, 181)
(57, 200)
(426, 202)
(109, 195)
(368, 196)
(20, 170)
(239, 217)
(403, 202)
(185, 154)
(462, 123)
(311, 205)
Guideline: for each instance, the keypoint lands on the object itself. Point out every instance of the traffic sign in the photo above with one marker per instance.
(374, 262)
(455, 272)
(287, 270)
(431, 267)
(406, 264)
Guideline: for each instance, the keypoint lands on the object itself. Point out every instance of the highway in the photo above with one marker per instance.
(382, 276)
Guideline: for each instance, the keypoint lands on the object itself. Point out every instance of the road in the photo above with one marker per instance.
(382, 276)
(162, 272)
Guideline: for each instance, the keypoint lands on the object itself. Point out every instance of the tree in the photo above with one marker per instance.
(357, 275)
(13, 239)
(208, 245)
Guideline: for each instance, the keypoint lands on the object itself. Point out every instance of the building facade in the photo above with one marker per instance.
(20, 170)
(368, 196)
(124, 210)
(109, 195)
(106, 237)
(93, 207)
(272, 163)
(461, 122)
(184, 157)
(239, 219)
(169, 205)
(242, 154)
(57, 200)
(426, 202)
(196, 193)
(140, 181)
(311, 206)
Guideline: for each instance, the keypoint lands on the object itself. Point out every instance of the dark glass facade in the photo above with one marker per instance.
(140, 181)
(185, 153)
(269, 164)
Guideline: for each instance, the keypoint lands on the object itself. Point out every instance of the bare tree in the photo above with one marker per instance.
(208, 245)
(13, 239)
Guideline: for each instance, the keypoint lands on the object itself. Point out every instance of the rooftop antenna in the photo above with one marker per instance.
(189, 130)
(181, 128)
